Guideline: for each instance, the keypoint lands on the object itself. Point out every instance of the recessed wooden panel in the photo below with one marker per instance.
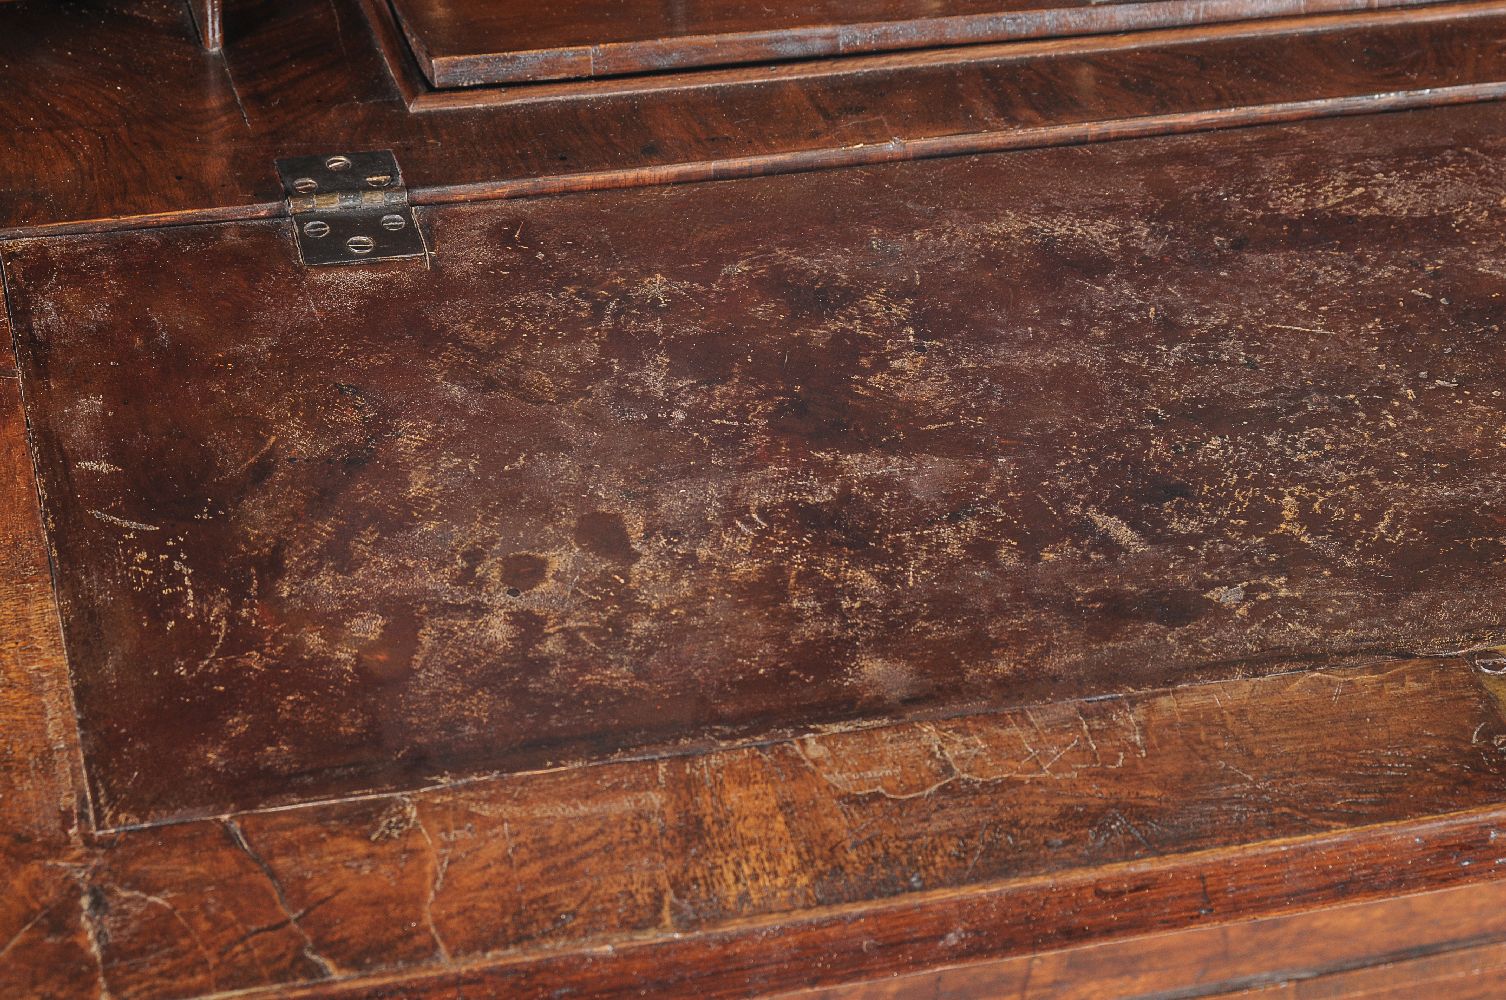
(631, 470)
(462, 43)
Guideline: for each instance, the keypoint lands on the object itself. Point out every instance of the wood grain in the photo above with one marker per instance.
(1256, 828)
(38, 745)
(1468, 974)
(867, 483)
(849, 855)
(7, 339)
(1046, 62)
(477, 42)
(208, 18)
(753, 960)
(745, 871)
(1409, 946)
(44, 950)
(204, 133)
(513, 886)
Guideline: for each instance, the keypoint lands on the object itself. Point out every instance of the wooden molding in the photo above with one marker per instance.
(208, 18)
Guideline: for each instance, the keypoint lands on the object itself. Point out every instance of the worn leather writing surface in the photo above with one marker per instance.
(630, 470)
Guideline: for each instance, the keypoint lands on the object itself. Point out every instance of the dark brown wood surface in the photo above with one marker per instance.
(629, 469)
(845, 856)
(307, 78)
(1218, 70)
(473, 42)
(1257, 828)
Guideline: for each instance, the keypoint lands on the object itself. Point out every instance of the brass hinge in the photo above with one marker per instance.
(350, 208)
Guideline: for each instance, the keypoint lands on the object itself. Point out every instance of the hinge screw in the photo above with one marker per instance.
(349, 208)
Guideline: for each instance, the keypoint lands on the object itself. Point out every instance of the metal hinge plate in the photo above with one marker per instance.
(350, 208)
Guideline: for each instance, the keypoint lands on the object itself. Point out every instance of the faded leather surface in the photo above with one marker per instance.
(625, 471)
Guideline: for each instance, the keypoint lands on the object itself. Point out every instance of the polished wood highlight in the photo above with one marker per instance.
(1405, 948)
(475, 42)
(206, 130)
(360, 896)
(208, 17)
(1053, 67)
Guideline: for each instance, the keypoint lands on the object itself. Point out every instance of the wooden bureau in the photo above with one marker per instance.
(860, 499)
